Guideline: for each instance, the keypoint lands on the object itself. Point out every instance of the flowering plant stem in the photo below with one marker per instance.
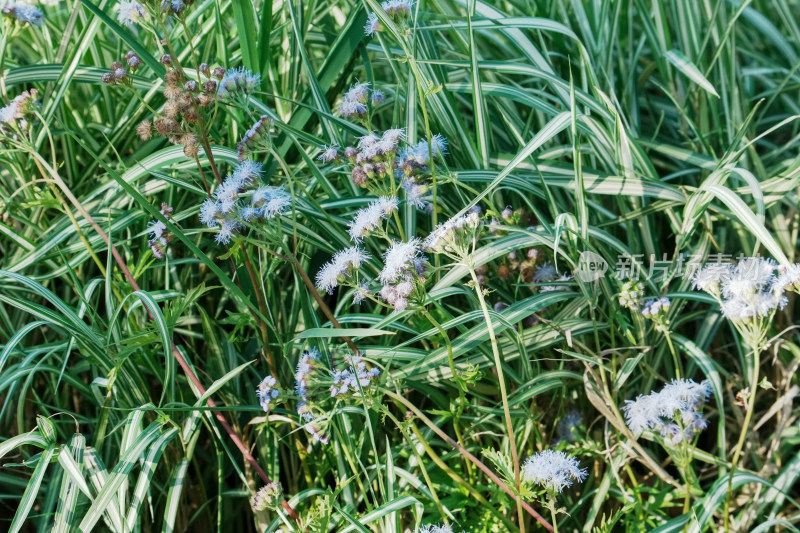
(498, 363)
(45, 167)
(737, 452)
(460, 385)
(477, 462)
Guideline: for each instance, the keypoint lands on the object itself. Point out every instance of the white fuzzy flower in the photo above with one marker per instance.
(157, 229)
(788, 278)
(737, 309)
(544, 273)
(352, 107)
(367, 140)
(247, 173)
(278, 202)
(710, 277)
(453, 236)
(130, 12)
(399, 260)
(358, 92)
(655, 306)
(765, 302)
(267, 392)
(373, 25)
(341, 265)
(329, 153)
(23, 13)
(553, 470)
(681, 399)
(227, 230)
(209, 213)
(415, 193)
(552, 288)
(370, 218)
(435, 528)
(227, 195)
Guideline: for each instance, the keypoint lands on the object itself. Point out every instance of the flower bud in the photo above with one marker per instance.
(210, 86)
(166, 59)
(359, 176)
(205, 70)
(219, 72)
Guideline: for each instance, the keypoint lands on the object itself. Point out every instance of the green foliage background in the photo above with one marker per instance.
(625, 127)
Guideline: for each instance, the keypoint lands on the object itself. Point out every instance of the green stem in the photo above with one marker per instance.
(751, 402)
(498, 363)
(462, 399)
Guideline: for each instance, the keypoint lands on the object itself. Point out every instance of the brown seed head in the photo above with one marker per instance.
(205, 70)
(165, 125)
(191, 115)
(190, 150)
(204, 99)
(172, 77)
(144, 130)
(171, 109)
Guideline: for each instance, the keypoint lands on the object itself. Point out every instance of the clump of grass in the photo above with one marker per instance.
(398, 266)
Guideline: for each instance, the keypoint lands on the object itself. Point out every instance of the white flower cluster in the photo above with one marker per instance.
(397, 295)
(420, 153)
(435, 528)
(237, 82)
(23, 13)
(454, 237)
(130, 13)
(656, 307)
(228, 212)
(396, 9)
(355, 100)
(749, 289)
(545, 273)
(159, 236)
(400, 261)
(354, 378)
(343, 265)
(308, 362)
(268, 497)
(553, 470)
(267, 392)
(18, 113)
(552, 288)
(630, 294)
(369, 218)
(256, 139)
(304, 382)
(329, 153)
(674, 412)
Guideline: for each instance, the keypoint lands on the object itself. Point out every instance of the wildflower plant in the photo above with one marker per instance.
(323, 263)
